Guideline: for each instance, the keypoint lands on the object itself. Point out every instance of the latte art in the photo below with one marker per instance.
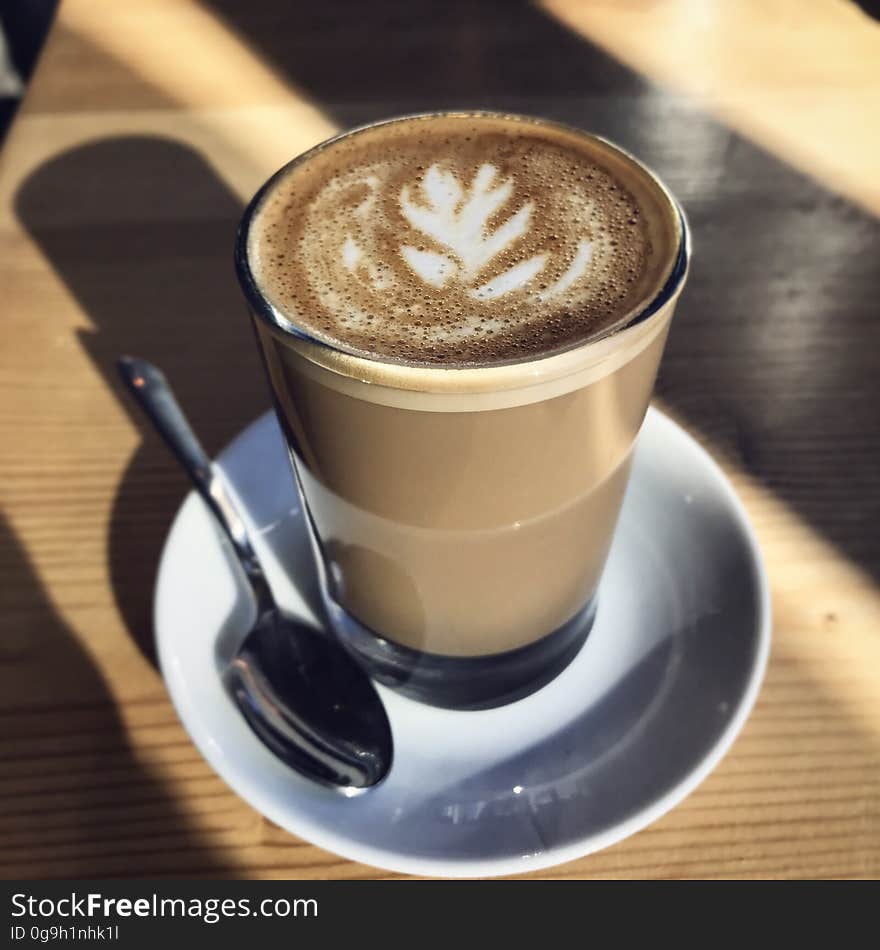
(463, 240)
(460, 223)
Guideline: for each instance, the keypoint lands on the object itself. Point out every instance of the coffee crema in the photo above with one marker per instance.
(460, 240)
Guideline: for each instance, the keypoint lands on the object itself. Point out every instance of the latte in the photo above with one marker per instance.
(458, 240)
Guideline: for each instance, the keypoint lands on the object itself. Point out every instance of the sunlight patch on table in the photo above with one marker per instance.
(800, 79)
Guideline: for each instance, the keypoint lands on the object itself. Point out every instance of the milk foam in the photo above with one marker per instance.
(462, 240)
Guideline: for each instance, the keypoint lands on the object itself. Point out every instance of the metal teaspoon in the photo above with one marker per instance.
(298, 689)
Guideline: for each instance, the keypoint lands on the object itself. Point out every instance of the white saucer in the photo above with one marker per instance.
(646, 710)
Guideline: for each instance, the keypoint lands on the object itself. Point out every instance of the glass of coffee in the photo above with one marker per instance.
(461, 317)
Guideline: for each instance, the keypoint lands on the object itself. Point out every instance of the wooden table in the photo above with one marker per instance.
(147, 126)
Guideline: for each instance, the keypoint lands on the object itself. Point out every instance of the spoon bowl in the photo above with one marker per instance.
(313, 707)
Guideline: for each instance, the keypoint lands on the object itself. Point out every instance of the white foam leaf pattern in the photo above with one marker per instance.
(442, 188)
(355, 261)
(515, 277)
(459, 221)
(433, 268)
(574, 270)
(351, 253)
(457, 218)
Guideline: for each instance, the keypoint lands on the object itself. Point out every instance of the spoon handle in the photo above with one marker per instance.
(149, 387)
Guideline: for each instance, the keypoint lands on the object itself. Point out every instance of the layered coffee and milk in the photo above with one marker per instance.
(462, 240)
(449, 309)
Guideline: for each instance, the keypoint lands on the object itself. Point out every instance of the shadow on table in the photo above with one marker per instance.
(870, 7)
(141, 230)
(75, 802)
(362, 62)
(775, 350)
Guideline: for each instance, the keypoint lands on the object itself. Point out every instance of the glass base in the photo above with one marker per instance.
(479, 682)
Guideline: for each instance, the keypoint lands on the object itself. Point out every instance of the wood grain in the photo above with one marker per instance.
(120, 186)
(801, 82)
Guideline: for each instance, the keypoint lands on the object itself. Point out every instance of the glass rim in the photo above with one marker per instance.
(279, 323)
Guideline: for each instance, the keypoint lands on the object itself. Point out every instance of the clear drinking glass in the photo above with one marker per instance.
(463, 516)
